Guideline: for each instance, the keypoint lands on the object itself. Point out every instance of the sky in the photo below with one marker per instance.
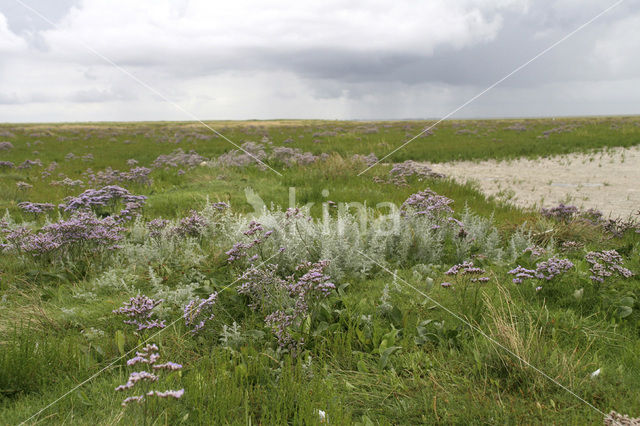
(123, 60)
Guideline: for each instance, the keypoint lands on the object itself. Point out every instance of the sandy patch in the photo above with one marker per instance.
(608, 181)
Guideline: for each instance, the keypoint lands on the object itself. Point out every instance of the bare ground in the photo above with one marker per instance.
(608, 181)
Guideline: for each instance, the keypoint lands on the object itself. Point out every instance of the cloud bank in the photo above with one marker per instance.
(347, 59)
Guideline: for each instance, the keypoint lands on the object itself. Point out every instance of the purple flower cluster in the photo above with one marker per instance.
(178, 158)
(108, 196)
(286, 302)
(6, 146)
(193, 225)
(139, 310)
(82, 230)
(560, 212)
(109, 176)
(27, 164)
(241, 158)
(23, 186)
(467, 268)
(148, 355)
(36, 208)
(427, 203)
(521, 274)
(68, 182)
(261, 286)
(369, 160)
(410, 168)
(6, 165)
(605, 263)
(155, 227)
(199, 311)
(292, 156)
(240, 250)
(536, 251)
(552, 267)
(220, 206)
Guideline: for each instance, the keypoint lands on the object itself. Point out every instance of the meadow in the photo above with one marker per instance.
(157, 264)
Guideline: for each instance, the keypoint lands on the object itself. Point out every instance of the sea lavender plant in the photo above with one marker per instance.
(109, 176)
(155, 227)
(6, 165)
(292, 156)
(285, 302)
(148, 356)
(199, 311)
(36, 208)
(107, 197)
(256, 237)
(560, 212)
(178, 158)
(250, 154)
(546, 270)
(411, 168)
(193, 225)
(27, 164)
(468, 269)
(6, 146)
(68, 182)
(82, 232)
(552, 267)
(466, 277)
(139, 311)
(605, 263)
(23, 186)
(427, 203)
(521, 274)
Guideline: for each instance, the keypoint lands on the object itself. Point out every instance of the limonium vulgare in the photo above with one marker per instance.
(199, 311)
(604, 264)
(286, 302)
(145, 379)
(139, 312)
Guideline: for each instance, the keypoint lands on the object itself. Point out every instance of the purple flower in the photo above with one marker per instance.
(177, 394)
(139, 310)
(23, 186)
(193, 225)
(427, 203)
(156, 226)
(286, 301)
(109, 197)
(521, 274)
(605, 263)
(560, 212)
(148, 355)
(82, 231)
(552, 268)
(199, 311)
(168, 366)
(36, 208)
(178, 158)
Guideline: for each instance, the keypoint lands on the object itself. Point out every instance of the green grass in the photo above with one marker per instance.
(57, 329)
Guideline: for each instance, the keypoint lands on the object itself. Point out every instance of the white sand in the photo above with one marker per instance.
(608, 181)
